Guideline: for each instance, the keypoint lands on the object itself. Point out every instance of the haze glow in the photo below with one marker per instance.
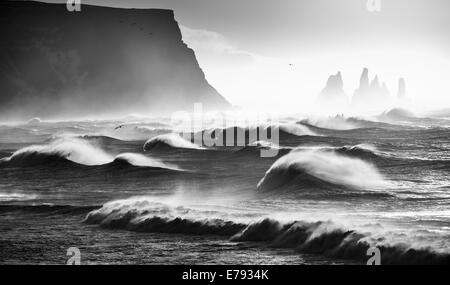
(277, 55)
(292, 83)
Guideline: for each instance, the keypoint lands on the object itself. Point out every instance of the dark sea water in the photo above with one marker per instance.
(336, 188)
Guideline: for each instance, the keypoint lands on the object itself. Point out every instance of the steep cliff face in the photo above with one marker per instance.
(54, 63)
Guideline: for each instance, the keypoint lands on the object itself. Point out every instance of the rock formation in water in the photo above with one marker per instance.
(371, 96)
(333, 95)
(56, 63)
(401, 93)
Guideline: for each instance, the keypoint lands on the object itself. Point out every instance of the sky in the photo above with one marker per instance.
(278, 54)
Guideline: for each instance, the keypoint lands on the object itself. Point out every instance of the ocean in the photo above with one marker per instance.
(135, 192)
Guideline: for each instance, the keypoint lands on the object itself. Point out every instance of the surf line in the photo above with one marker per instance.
(200, 275)
(229, 130)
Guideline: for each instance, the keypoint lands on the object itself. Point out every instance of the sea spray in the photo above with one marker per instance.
(323, 166)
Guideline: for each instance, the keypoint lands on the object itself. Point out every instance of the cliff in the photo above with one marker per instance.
(55, 63)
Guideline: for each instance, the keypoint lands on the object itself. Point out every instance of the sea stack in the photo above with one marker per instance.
(332, 95)
(371, 97)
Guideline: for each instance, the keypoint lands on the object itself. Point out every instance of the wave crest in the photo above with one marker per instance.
(296, 129)
(171, 140)
(148, 215)
(319, 237)
(72, 150)
(140, 160)
(320, 167)
(68, 148)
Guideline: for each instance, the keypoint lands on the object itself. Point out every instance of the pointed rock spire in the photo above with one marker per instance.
(371, 95)
(335, 82)
(332, 95)
(375, 84)
(364, 80)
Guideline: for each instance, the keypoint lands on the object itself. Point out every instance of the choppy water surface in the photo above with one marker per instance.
(141, 194)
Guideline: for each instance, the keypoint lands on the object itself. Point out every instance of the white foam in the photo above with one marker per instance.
(330, 167)
(9, 197)
(137, 159)
(83, 152)
(74, 149)
(173, 140)
(296, 129)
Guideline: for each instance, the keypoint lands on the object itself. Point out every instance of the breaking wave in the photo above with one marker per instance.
(342, 123)
(75, 151)
(296, 129)
(140, 160)
(171, 140)
(150, 215)
(360, 151)
(322, 168)
(320, 237)
(72, 149)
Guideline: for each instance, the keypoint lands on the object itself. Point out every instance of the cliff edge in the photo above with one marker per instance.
(55, 63)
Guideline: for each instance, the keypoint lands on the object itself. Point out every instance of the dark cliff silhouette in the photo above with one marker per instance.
(55, 63)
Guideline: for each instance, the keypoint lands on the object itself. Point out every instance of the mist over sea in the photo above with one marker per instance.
(133, 191)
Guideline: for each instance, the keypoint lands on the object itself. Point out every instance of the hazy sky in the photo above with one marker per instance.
(264, 53)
